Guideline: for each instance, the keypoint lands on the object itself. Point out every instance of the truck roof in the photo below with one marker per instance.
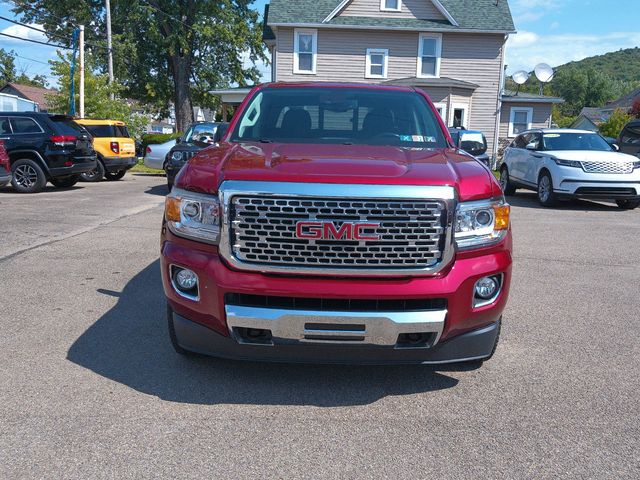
(369, 86)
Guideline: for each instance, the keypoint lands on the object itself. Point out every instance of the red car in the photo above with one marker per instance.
(336, 223)
(5, 166)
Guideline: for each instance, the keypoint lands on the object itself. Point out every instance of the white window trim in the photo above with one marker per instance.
(438, 38)
(385, 62)
(443, 106)
(465, 116)
(296, 47)
(385, 9)
(512, 114)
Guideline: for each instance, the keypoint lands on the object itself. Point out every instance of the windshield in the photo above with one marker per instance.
(202, 132)
(339, 116)
(575, 141)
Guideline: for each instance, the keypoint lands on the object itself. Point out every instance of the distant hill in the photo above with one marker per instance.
(623, 65)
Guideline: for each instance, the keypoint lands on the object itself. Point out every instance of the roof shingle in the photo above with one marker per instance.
(483, 15)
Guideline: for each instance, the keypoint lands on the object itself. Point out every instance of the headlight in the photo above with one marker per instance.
(567, 163)
(176, 156)
(636, 164)
(482, 223)
(193, 215)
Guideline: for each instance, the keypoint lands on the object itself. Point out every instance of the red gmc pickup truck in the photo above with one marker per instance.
(335, 223)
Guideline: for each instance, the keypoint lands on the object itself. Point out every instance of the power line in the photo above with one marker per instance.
(35, 41)
(34, 9)
(30, 59)
(26, 25)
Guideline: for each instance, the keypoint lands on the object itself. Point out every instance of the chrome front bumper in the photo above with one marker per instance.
(333, 327)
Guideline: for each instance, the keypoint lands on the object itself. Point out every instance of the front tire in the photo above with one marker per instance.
(628, 204)
(28, 176)
(115, 175)
(94, 175)
(508, 188)
(546, 196)
(66, 182)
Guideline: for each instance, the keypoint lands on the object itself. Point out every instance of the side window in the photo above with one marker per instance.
(533, 141)
(519, 142)
(631, 135)
(5, 129)
(25, 125)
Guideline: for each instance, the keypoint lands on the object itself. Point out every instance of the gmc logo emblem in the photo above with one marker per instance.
(329, 231)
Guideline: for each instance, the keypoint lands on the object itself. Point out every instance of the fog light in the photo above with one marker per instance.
(186, 279)
(487, 287)
(185, 282)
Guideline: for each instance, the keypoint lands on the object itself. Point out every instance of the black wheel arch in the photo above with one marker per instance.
(34, 155)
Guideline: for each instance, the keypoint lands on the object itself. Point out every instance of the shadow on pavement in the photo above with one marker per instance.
(530, 200)
(161, 190)
(130, 344)
(47, 189)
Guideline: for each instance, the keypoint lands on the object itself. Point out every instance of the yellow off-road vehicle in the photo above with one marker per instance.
(115, 149)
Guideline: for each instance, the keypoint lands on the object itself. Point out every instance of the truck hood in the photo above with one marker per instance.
(355, 164)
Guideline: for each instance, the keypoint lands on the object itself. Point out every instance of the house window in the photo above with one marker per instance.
(377, 63)
(441, 107)
(429, 52)
(459, 115)
(390, 5)
(305, 46)
(520, 120)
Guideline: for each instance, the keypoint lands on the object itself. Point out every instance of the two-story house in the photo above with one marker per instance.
(452, 49)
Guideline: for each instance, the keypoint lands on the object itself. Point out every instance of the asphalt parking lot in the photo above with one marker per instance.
(92, 389)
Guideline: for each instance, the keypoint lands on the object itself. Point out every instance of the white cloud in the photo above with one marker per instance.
(526, 49)
(23, 32)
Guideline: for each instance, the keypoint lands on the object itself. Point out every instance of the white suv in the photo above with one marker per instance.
(561, 163)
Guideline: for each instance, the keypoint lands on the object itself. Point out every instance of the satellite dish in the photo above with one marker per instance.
(544, 72)
(520, 77)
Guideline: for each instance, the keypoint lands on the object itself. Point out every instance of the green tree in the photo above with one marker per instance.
(583, 88)
(8, 72)
(615, 124)
(164, 50)
(98, 102)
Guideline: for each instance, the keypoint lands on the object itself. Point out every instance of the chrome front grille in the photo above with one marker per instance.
(263, 231)
(608, 167)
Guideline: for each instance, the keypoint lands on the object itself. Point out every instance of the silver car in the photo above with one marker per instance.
(156, 154)
(563, 163)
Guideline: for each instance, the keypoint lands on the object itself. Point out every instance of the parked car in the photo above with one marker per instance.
(335, 224)
(198, 136)
(116, 150)
(5, 166)
(156, 154)
(471, 141)
(45, 148)
(629, 140)
(563, 163)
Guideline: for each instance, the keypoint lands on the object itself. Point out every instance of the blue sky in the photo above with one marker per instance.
(552, 31)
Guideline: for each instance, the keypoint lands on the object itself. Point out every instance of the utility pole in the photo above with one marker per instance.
(81, 71)
(107, 6)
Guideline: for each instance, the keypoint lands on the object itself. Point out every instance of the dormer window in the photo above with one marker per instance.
(390, 5)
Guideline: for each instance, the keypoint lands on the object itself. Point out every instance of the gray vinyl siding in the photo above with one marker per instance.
(474, 58)
(541, 115)
(421, 9)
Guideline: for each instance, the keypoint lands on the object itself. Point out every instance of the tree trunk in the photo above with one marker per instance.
(181, 72)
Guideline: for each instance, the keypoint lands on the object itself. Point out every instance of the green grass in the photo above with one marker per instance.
(141, 168)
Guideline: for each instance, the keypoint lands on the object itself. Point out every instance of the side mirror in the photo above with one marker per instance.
(178, 140)
(220, 131)
(531, 146)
